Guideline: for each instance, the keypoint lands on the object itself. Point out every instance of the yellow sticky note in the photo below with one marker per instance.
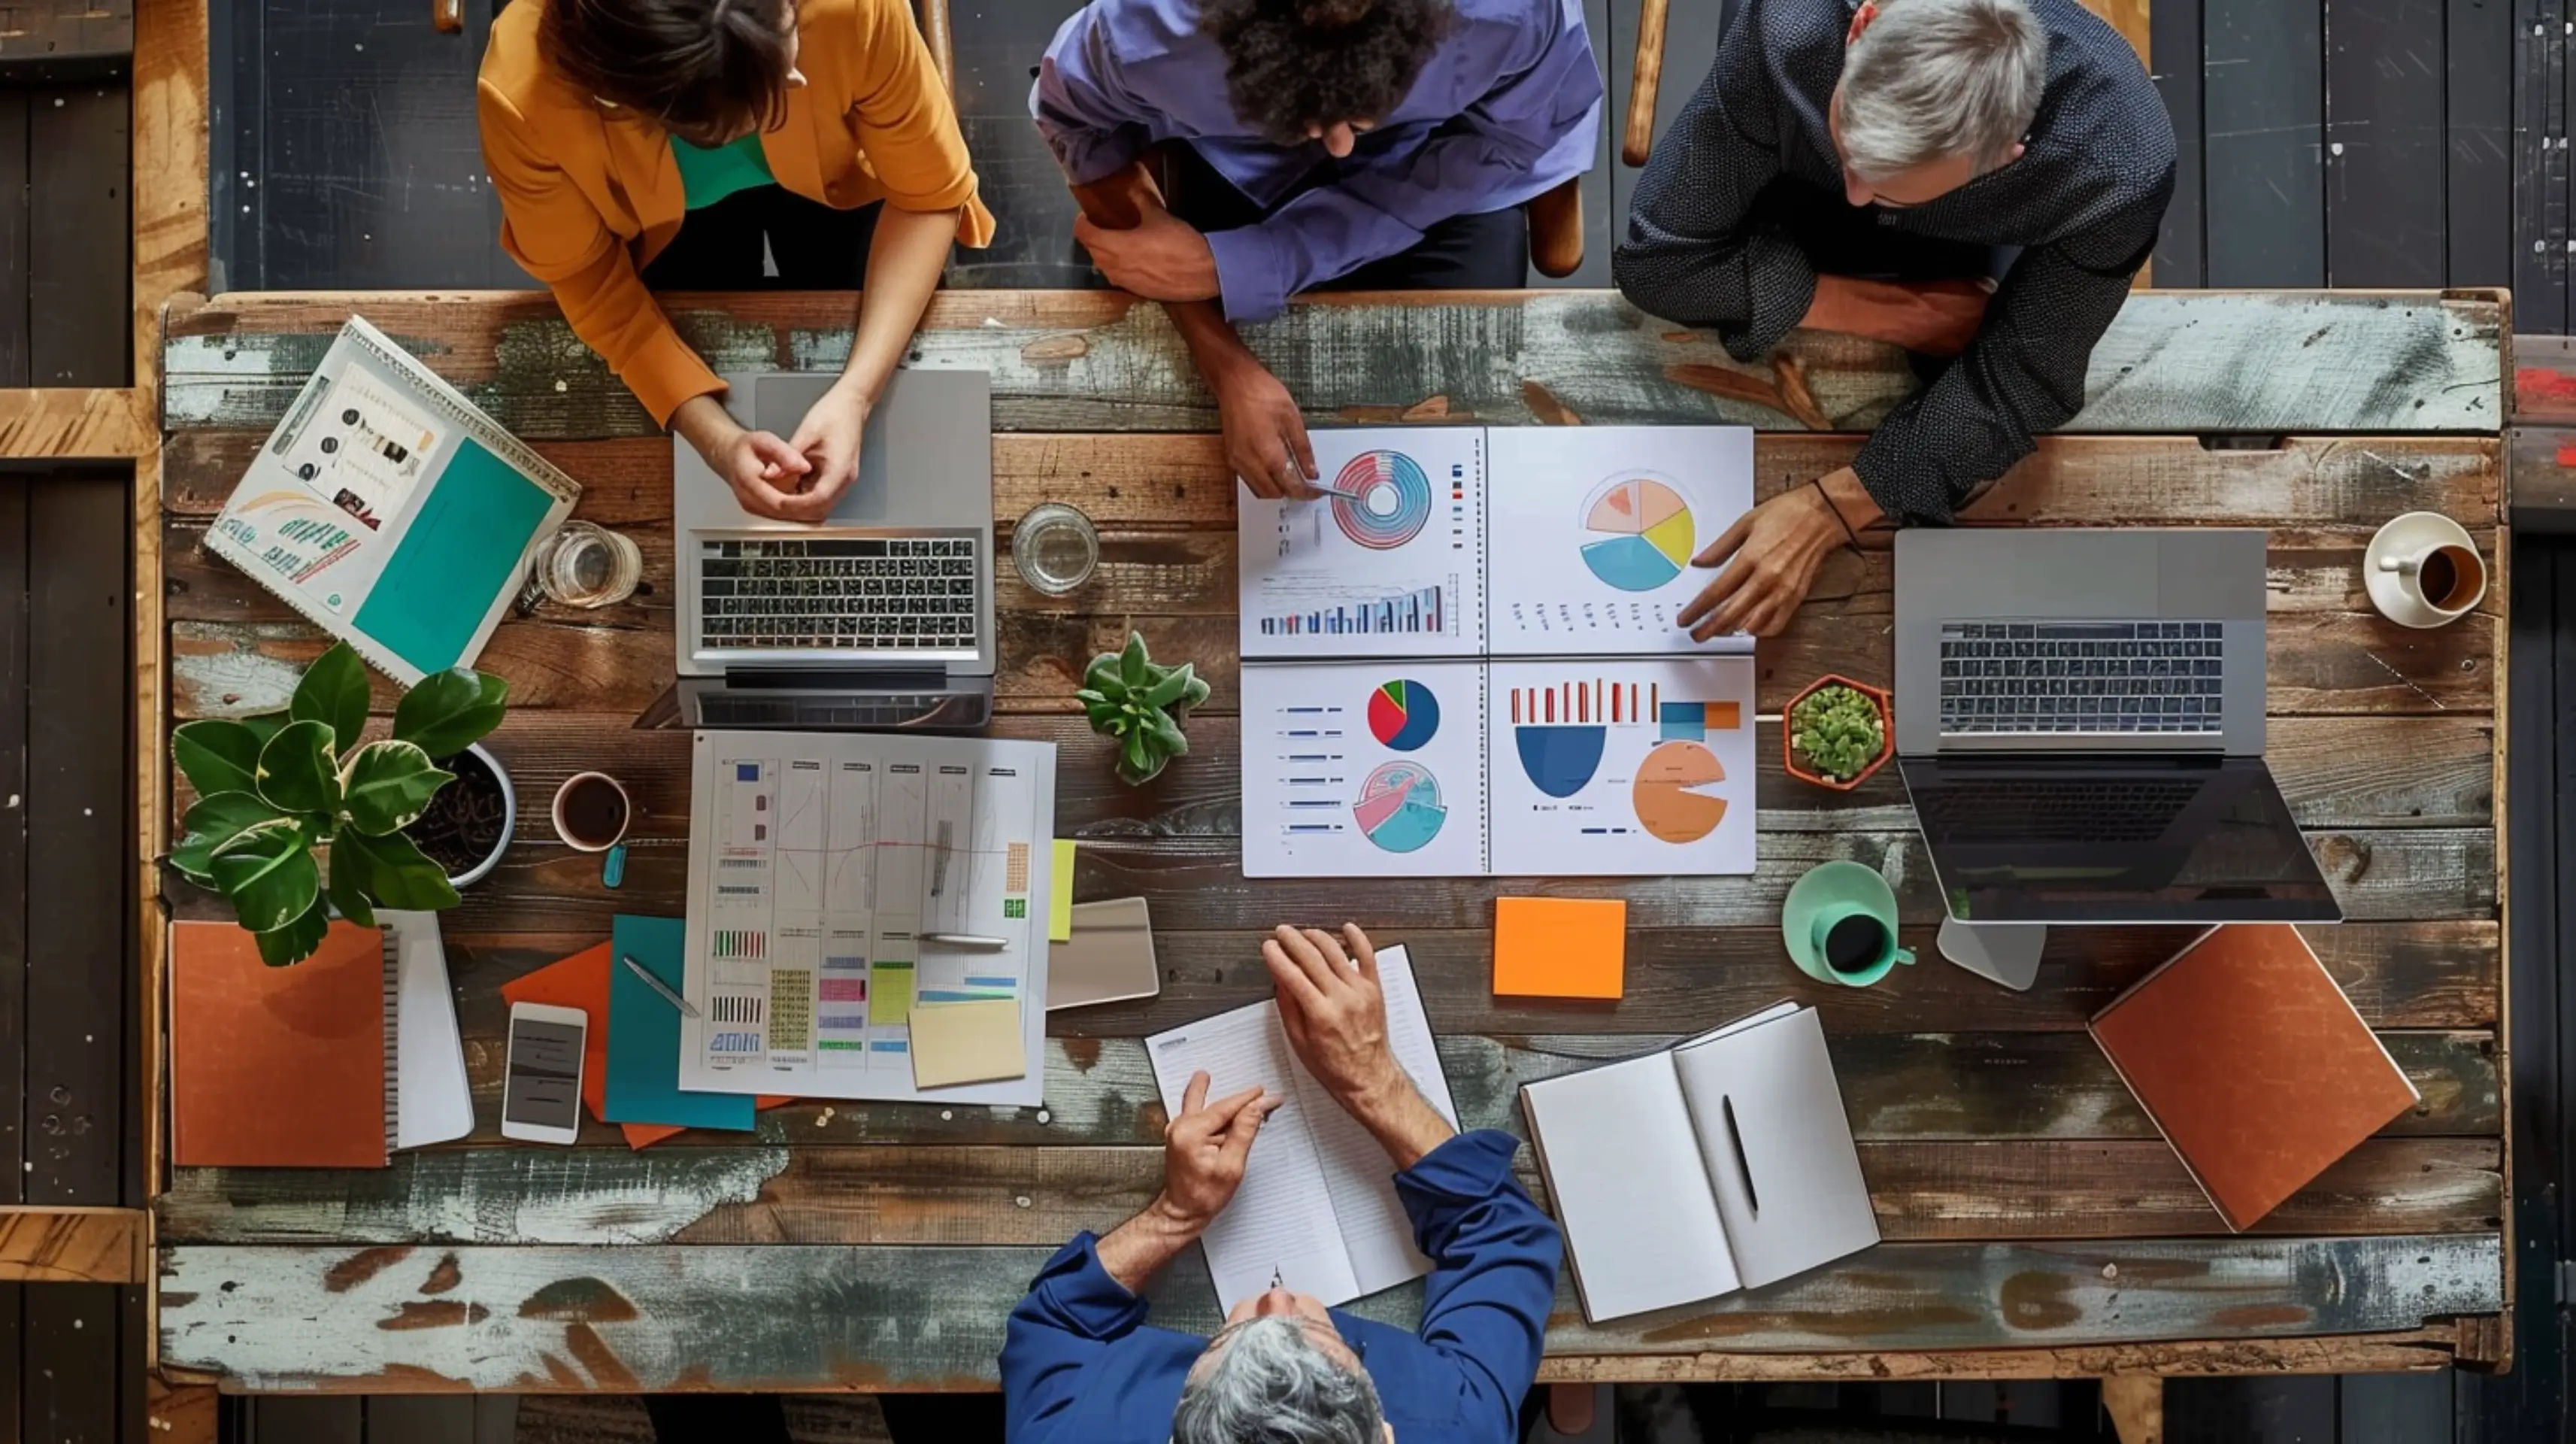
(976, 1042)
(1060, 902)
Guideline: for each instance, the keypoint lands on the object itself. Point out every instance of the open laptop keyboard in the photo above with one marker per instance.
(885, 594)
(2099, 677)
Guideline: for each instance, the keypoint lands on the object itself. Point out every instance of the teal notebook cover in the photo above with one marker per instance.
(460, 553)
(643, 1084)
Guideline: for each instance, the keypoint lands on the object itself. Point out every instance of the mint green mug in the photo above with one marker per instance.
(1840, 925)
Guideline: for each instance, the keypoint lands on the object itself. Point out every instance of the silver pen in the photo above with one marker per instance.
(657, 985)
(967, 940)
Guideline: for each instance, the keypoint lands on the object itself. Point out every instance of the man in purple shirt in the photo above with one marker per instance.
(1377, 144)
(1081, 1366)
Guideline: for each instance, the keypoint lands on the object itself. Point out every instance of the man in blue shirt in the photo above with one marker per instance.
(1081, 1366)
(1384, 144)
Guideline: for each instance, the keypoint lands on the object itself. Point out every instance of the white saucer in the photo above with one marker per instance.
(2410, 534)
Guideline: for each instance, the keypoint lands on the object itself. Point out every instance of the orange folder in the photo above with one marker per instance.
(276, 1067)
(1551, 947)
(581, 981)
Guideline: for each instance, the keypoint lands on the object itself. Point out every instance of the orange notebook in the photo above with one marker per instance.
(277, 1067)
(2252, 1061)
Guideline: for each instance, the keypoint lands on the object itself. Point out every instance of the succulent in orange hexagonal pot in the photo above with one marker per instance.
(1837, 732)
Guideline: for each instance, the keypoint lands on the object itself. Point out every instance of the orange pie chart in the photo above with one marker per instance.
(1668, 802)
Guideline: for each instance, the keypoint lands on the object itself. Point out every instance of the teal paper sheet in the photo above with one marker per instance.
(461, 551)
(643, 1084)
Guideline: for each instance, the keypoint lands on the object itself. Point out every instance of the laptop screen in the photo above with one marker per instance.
(2114, 839)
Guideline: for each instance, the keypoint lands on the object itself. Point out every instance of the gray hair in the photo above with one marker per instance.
(1936, 78)
(1271, 1385)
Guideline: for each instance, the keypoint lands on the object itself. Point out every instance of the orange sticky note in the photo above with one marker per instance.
(581, 981)
(1548, 947)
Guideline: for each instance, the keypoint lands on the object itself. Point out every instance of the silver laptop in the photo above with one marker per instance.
(2079, 722)
(881, 616)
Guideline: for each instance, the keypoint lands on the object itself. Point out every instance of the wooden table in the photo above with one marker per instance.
(2036, 1225)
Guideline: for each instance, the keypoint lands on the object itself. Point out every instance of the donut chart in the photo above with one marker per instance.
(1399, 807)
(1382, 499)
(1669, 793)
(1644, 529)
(1403, 715)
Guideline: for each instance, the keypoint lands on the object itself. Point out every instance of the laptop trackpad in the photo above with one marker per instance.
(779, 404)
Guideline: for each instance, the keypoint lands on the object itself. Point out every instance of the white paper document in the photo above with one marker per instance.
(1317, 1209)
(835, 879)
(1623, 767)
(1496, 683)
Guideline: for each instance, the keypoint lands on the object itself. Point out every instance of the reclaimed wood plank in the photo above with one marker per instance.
(2478, 125)
(2264, 106)
(985, 1195)
(1099, 361)
(74, 1389)
(2379, 874)
(1896, 1085)
(79, 1082)
(545, 1319)
(73, 1245)
(1143, 481)
(44, 34)
(2384, 93)
(13, 239)
(68, 423)
(13, 839)
(2539, 168)
(78, 273)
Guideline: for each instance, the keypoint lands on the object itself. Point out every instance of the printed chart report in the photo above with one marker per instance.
(1534, 708)
(835, 879)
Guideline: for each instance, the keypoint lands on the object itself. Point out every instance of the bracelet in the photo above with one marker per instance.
(1836, 512)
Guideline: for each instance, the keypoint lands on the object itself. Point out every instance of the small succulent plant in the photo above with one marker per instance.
(1836, 729)
(1140, 704)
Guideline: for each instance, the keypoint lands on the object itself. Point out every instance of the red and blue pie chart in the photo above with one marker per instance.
(1403, 715)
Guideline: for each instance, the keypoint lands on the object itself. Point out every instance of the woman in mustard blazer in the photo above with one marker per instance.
(657, 144)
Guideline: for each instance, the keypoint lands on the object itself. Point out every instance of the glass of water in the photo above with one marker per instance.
(586, 565)
(1056, 548)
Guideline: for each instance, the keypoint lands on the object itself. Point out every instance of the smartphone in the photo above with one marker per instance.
(541, 1091)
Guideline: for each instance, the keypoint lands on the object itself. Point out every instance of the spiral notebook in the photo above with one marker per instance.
(390, 511)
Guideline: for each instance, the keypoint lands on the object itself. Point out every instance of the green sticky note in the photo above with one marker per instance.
(1060, 901)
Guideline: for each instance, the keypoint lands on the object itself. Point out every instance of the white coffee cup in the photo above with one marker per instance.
(2423, 570)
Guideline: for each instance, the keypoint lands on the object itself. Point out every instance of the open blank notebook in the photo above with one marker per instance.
(1723, 1163)
(1317, 1208)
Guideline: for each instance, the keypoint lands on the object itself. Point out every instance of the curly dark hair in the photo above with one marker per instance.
(709, 71)
(1295, 64)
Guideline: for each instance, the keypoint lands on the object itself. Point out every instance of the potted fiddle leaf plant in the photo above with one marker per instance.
(298, 815)
(1140, 704)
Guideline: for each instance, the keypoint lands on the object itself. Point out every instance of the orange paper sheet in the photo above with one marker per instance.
(1546, 947)
(581, 981)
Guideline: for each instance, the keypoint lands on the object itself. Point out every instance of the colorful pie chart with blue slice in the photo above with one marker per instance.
(1559, 760)
(1642, 530)
(1399, 807)
(1403, 715)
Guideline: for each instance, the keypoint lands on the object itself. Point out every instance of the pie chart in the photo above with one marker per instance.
(1381, 499)
(1399, 807)
(1403, 715)
(1668, 795)
(1644, 532)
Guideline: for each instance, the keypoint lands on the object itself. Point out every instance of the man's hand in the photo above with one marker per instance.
(1265, 434)
(828, 440)
(1162, 257)
(1775, 550)
(1937, 318)
(761, 469)
(1335, 1015)
(1204, 1150)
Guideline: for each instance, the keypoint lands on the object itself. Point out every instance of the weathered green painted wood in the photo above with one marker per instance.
(1070, 361)
(985, 1195)
(1896, 1087)
(785, 1317)
(1176, 480)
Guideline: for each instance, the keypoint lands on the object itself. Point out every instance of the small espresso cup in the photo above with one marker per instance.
(1839, 923)
(2427, 562)
(592, 812)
